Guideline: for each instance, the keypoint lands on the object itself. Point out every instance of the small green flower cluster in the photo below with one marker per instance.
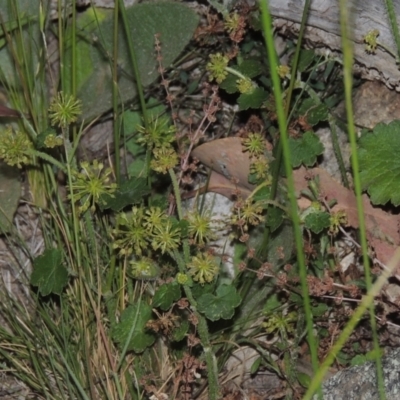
(64, 110)
(203, 268)
(52, 141)
(232, 22)
(337, 220)
(218, 69)
(90, 184)
(144, 268)
(283, 323)
(200, 229)
(254, 144)
(158, 138)
(142, 227)
(283, 71)
(15, 147)
(371, 42)
(146, 230)
(247, 213)
(245, 85)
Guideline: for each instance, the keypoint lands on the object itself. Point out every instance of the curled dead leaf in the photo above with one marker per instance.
(382, 227)
(225, 157)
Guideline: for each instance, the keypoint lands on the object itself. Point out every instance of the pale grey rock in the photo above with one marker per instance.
(360, 382)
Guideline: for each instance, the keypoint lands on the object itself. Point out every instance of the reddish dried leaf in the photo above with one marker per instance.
(8, 112)
(226, 157)
(382, 227)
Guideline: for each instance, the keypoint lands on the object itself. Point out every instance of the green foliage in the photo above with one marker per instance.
(256, 365)
(379, 163)
(49, 274)
(275, 218)
(314, 111)
(10, 184)
(306, 58)
(305, 150)
(320, 309)
(132, 328)
(14, 12)
(138, 249)
(221, 305)
(248, 68)
(180, 332)
(363, 358)
(317, 221)
(174, 22)
(303, 379)
(165, 295)
(252, 100)
(131, 191)
(272, 303)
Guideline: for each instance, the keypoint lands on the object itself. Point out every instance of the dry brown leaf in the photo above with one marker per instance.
(382, 227)
(217, 183)
(225, 156)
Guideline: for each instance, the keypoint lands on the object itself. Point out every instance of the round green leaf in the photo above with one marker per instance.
(380, 163)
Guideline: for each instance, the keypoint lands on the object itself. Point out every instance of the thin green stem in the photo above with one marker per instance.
(337, 151)
(348, 81)
(135, 66)
(296, 57)
(116, 120)
(267, 28)
(236, 73)
(47, 158)
(278, 152)
(212, 367)
(367, 302)
(74, 67)
(175, 186)
(393, 24)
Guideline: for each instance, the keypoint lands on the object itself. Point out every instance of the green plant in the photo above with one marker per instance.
(132, 297)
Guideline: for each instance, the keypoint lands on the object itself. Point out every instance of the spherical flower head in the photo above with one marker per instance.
(260, 168)
(235, 24)
(164, 159)
(279, 322)
(232, 22)
(203, 268)
(182, 279)
(154, 217)
(316, 206)
(245, 85)
(52, 141)
(336, 220)
(254, 144)
(64, 110)
(199, 228)
(15, 147)
(247, 213)
(166, 237)
(130, 235)
(91, 184)
(144, 269)
(283, 71)
(252, 212)
(371, 42)
(158, 134)
(216, 67)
